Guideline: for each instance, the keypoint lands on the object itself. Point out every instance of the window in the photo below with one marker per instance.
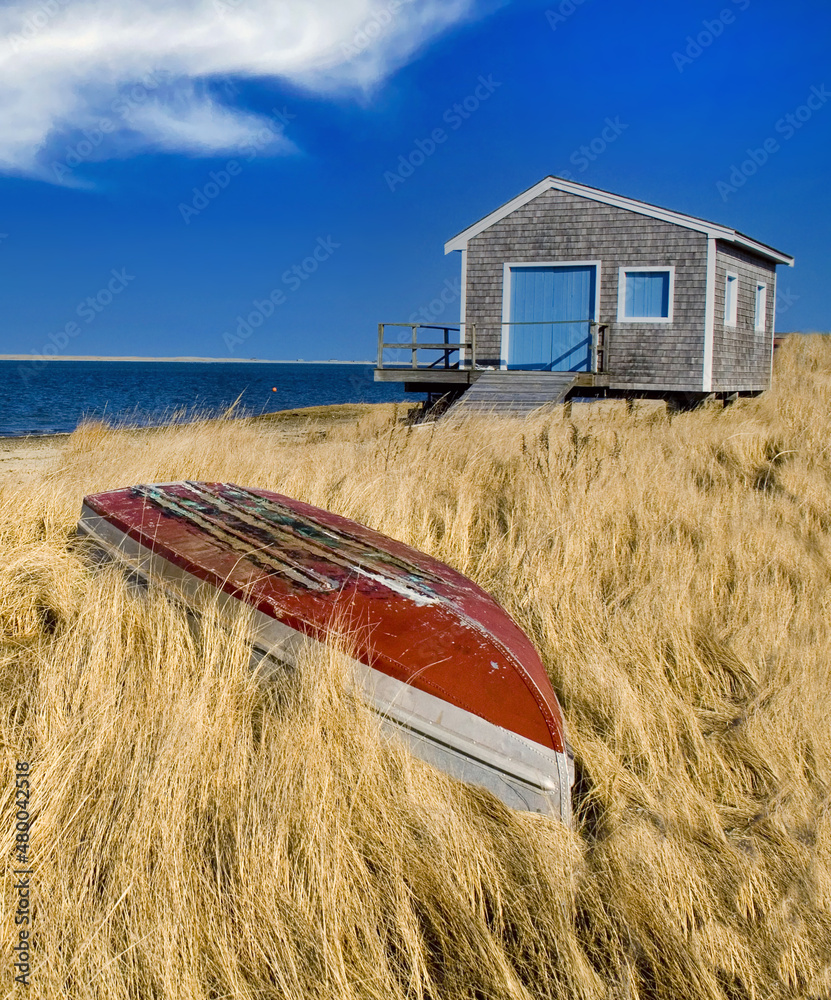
(761, 307)
(645, 294)
(731, 299)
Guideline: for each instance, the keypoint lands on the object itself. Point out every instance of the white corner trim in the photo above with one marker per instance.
(463, 354)
(460, 241)
(505, 340)
(772, 323)
(621, 294)
(505, 329)
(709, 317)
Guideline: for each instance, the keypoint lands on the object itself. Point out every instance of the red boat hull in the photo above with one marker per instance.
(432, 645)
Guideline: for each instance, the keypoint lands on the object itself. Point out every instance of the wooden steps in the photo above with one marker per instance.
(512, 393)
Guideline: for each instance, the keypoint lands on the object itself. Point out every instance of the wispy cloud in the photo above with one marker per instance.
(68, 64)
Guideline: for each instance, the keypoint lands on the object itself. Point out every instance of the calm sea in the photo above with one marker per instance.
(57, 395)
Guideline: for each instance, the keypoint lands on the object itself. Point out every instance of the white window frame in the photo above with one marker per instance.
(621, 294)
(506, 295)
(731, 320)
(760, 317)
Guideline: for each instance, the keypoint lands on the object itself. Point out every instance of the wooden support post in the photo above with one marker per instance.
(592, 346)
(599, 344)
(380, 345)
(472, 345)
(415, 345)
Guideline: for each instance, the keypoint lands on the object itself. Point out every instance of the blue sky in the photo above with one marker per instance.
(162, 176)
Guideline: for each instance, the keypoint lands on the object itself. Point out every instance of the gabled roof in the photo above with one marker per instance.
(712, 229)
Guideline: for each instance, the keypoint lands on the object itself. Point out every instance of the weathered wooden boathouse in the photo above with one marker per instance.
(568, 291)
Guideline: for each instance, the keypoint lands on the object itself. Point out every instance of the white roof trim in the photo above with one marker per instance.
(760, 248)
(712, 230)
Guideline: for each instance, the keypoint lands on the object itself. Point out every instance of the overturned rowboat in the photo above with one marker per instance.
(439, 661)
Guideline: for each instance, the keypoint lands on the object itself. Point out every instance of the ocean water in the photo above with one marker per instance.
(54, 396)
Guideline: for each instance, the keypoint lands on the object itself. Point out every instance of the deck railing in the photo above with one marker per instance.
(596, 344)
(412, 344)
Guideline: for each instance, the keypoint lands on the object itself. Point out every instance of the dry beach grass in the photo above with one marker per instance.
(197, 836)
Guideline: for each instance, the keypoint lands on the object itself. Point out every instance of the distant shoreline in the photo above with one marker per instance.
(24, 447)
(220, 361)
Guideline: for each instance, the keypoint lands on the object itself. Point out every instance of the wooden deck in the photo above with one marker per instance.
(427, 379)
(452, 369)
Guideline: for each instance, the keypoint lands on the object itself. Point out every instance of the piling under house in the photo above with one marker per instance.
(569, 290)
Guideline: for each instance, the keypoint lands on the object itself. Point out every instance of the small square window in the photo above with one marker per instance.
(761, 307)
(731, 299)
(645, 294)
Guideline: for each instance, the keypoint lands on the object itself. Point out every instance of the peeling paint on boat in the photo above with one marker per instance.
(439, 661)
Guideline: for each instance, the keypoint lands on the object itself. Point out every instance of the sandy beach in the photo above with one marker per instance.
(24, 456)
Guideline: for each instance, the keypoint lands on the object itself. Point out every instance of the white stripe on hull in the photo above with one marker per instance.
(522, 773)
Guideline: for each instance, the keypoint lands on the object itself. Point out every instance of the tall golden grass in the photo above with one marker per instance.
(199, 834)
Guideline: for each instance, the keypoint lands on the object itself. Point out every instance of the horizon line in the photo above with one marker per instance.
(181, 358)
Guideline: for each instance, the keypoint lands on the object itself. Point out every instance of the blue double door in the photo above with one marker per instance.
(551, 310)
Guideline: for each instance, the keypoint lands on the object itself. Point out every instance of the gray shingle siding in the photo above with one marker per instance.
(741, 354)
(557, 226)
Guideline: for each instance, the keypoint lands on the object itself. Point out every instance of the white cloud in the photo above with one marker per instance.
(67, 64)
